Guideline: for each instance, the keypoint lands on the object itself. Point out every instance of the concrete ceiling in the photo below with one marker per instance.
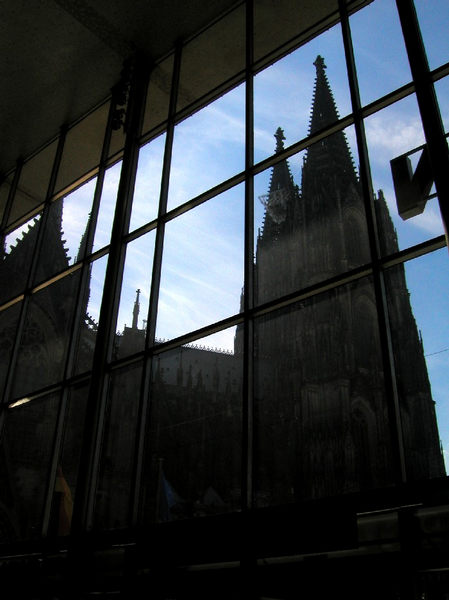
(59, 58)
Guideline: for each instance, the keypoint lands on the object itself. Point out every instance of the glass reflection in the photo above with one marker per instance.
(8, 324)
(5, 188)
(107, 206)
(158, 96)
(16, 261)
(278, 23)
(283, 92)
(26, 450)
(68, 464)
(65, 236)
(148, 183)
(380, 55)
(213, 57)
(113, 497)
(390, 133)
(33, 183)
(82, 147)
(434, 24)
(208, 147)
(194, 437)
(202, 267)
(90, 312)
(309, 216)
(44, 343)
(135, 296)
(321, 417)
(442, 92)
(420, 332)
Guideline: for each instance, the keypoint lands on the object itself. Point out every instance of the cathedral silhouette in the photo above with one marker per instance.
(323, 426)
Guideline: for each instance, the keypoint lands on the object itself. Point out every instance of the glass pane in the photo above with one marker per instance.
(135, 296)
(25, 460)
(19, 251)
(380, 55)
(43, 346)
(158, 96)
(67, 470)
(208, 147)
(276, 23)
(321, 418)
(147, 187)
(8, 325)
(90, 313)
(434, 23)
(418, 308)
(310, 218)
(113, 497)
(33, 183)
(442, 92)
(212, 58)
(5, 187)
(202, 266)
(82, 147)
(296, 94)
(107, 206)
(391, 132)
(65, 234)
(194, 439)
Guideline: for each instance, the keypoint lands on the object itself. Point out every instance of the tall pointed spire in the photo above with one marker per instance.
(330, 157)
(136, 310)
(281, 193)
(324, 110)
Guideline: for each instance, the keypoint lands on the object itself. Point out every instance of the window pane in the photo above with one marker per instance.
(391, 132)
(148, 183)
(202, 267)
(194, 438)
(118, 448)
(44, 342)
(19, 251)
(8, 325)
(33, 183)
(107, 206)
(286, 93)
(135, 296)
(158, 96)
(276, 23)
(65, 232)
(442, 92)
(434, 23)
(90, 313)
(321, 418)
(418, 305)
(310, 218)
(208, 148)
(67, 470)
(212, 58)
(380, 55)
(82, 147)
(26, 453)
(5, 187)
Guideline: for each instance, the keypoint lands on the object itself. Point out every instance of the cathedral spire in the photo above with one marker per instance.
(136, 310)
(324, 110)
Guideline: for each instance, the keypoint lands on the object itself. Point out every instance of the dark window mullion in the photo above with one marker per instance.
(145, 400)
(248, 297)
(378, 274)
(84, 503)
(428, 105)
(77, 316)
(27, 295)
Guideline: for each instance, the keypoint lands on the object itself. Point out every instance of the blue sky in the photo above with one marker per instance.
(202, 270)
